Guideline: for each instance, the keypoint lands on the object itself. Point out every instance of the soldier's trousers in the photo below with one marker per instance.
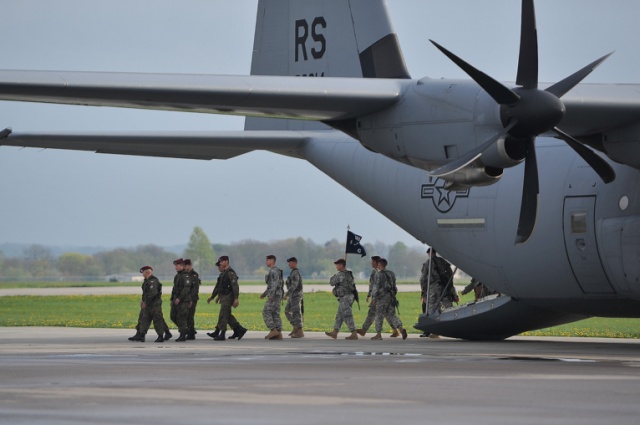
(435, 292)
(165, 327)
(385, 310)
(345, 313)
(182, 316)
(293, 310)
(271, 313)
(371, 317)
(152, 313)
(191, 317)
(226, 316)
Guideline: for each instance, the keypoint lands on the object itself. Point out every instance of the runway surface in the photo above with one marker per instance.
(96, 376)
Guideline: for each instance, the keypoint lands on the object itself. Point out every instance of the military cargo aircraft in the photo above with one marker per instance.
(527, 186)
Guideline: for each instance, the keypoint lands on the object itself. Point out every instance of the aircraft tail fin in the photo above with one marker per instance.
(323, 38)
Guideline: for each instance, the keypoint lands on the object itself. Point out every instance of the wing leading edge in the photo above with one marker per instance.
(321, 99)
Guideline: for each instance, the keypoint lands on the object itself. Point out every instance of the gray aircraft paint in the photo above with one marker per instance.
(583, 256)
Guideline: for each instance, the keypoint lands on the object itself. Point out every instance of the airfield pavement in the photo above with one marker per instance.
(97, 376)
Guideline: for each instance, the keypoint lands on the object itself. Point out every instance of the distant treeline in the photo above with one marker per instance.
(247, 259)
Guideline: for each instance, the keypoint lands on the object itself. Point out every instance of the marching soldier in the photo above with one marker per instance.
(371, 314)
(383, 294)
(181, 299)
(294, 296)
(150, 307)
(195, 290)
(273, 293)
(227, 293)
(343, 289)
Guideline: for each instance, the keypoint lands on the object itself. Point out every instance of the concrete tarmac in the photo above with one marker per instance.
(96, 376)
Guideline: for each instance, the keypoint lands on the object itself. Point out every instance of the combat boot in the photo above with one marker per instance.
(191, 335)
(333, 334)
(182, 337)
(160, 338)
(167, 336)
(220, 336)
(299, 333)
(293, 332)
(395, 334)
(274, 332)
(241, 332)
(361, 332)
(234, 335)
(377, 337)
(278, 335)
(354, 335)
(214, 333)
(403, 331)
(135, 337)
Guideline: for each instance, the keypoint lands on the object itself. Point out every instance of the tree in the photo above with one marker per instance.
(200, 251)
(74, 264)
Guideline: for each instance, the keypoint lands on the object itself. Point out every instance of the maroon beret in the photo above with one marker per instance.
(187, 262)
(340, 261)
(178, 261)
(221, 259)
(271, 257)
(142, 269)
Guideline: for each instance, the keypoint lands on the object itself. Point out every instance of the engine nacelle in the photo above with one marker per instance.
(474, 174)
(505, 153)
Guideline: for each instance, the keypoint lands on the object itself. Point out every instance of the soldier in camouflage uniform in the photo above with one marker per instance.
(227, 293)
(383, 294)
(371, 314)
(195, 291)
(480, 290)
(436, 284)
(150, 307)
(181, 299)
(343, 289)
(294, 295)
(274, 294)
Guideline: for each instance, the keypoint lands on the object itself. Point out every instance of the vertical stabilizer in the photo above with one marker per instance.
(323, 38)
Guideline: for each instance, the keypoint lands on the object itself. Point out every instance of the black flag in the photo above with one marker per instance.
(353, 244)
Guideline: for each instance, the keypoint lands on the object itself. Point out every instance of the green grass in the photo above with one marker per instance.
(121, 311)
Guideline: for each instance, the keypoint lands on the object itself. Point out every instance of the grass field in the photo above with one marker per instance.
(121, 311)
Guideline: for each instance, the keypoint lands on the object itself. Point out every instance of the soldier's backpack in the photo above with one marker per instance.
(444, 270)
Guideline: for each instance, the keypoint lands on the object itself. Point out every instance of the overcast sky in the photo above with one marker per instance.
(77, 198)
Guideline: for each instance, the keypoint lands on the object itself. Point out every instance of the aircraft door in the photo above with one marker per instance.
(581, 246)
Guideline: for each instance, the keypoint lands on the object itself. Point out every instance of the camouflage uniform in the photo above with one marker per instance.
(152, 311)
(383, 293)
(274, 293)
(479, 289)
(195, 296)
(293, 309)
(437, 284)
(371, 314)
(228, 290)
(182, 291)
(343, 290)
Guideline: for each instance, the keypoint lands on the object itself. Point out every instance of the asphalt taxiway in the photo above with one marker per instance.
(96, 376)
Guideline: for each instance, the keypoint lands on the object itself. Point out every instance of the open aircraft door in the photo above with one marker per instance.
(581, 246)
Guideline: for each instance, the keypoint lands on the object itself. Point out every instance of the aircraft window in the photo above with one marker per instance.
(579, 222)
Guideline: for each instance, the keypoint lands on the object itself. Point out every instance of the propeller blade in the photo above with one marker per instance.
(466, 159)
(594, 160)
(530, 194)
(560, 88)
(528, 61)
(501, 94)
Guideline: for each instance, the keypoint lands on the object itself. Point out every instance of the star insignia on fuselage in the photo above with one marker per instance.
(442, 198)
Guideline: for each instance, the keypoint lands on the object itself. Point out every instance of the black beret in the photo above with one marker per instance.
(292, 259)
(271, 257)
(340, 261)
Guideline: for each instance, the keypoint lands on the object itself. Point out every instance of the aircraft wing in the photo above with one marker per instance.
(268, 96)
(191, 145)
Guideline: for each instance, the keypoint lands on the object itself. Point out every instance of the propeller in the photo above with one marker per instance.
(527, 112)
